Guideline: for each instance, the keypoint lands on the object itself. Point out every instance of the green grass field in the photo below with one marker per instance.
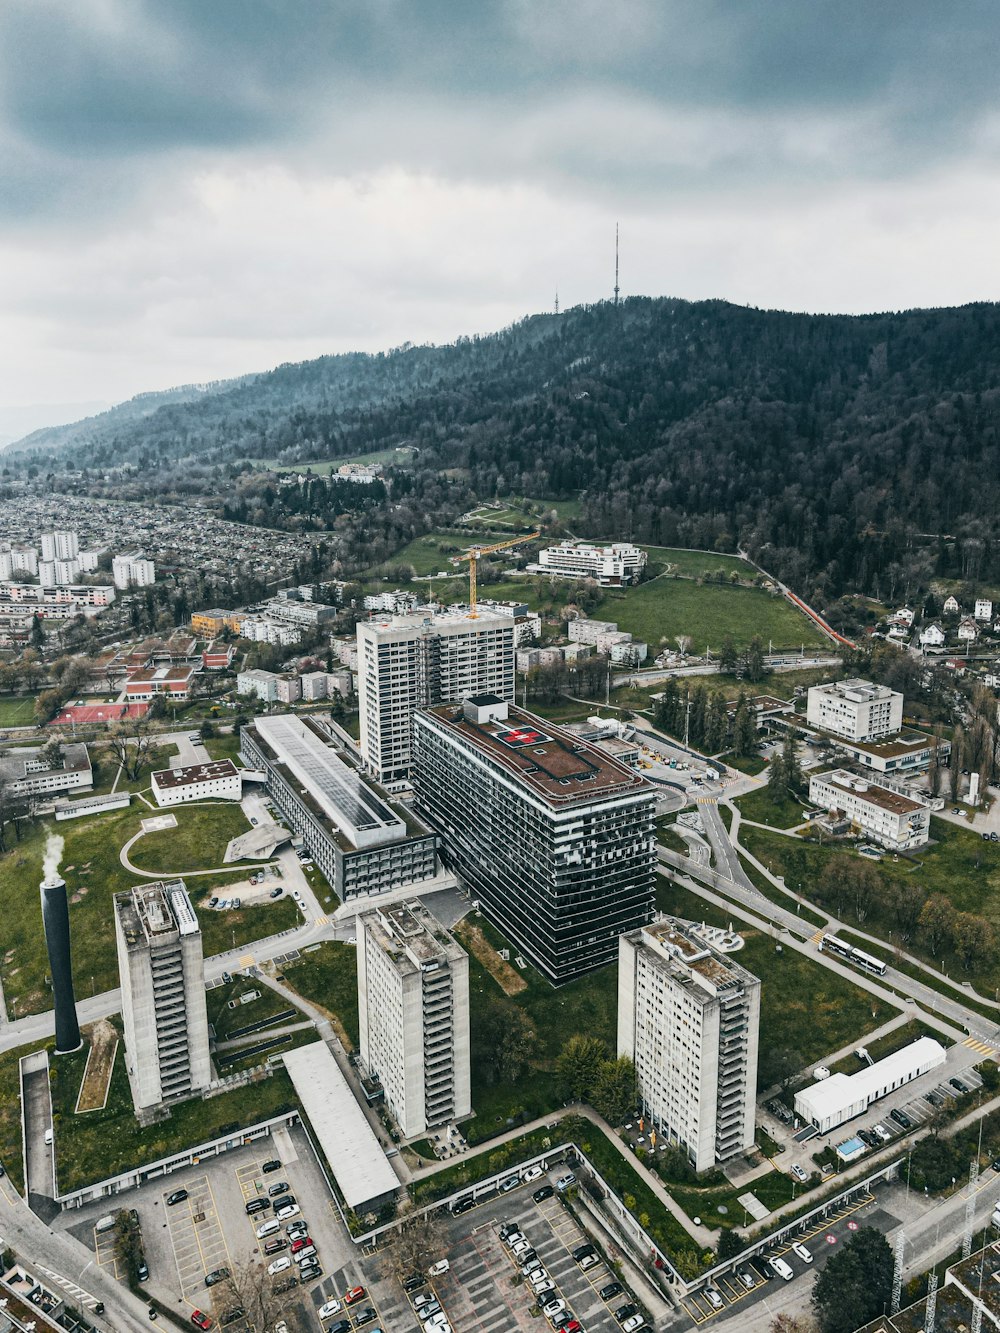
(432, 554)
(102, 1143)
(10, 1112)
(17, 710)
(662, 609)
(226, 1020)
(960, 866)
(328, 976)
(197, 843)
(759, 806)
(93, 873)
(699, 564)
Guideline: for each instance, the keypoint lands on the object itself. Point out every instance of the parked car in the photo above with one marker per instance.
(287, 1210)
(612, 1289)
(272, 1165)
(364, 1316)
(178, 1196)
(300, 1243)
(714, 1299)
(200, 1319)
(275, 1246)
(304, 1256)
(216, 1275)
(310, 1273)
(463, 1205)
(413, 1282)
(901, 1118)
(511, 1183)
(746, 1279)
(798, 1172)
(328, 1310)
(279, 1265)
(564, 1182)
(590, 1261)
(636, 1322)
(341, 1326)
(804, 1254)
(532, 1173)
(958, 1085)
(545, 1192)
(582, 1251)
(282, 1187)
(783, 1270)
(353, 1295)
(626, 1311)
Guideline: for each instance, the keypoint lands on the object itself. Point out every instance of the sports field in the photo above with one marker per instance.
(17, 710)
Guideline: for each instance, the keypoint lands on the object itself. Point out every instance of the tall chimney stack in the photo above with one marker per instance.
(55, 919)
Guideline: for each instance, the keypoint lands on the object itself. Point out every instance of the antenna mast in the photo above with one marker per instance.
(557, 302)
(616, 263)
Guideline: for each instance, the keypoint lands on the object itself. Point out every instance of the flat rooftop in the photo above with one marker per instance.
(356, 1157)
(871, 792)
(411, 936)
(152, 675)
(194, 773)
(340, 792)
(560, 768)
(857, 691)
(903, 743)
(150, 913)
(675, 946)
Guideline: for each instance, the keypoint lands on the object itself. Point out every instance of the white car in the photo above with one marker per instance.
(538, 1277)
(543, 1287)
(279, 1265)
(802, 1252)
(289, 1210)
(636, 1321)
(437, 1269)
(330, 1308)
(522, 1247)
(783, 1270)
(268, 1229)
(714, 1299)
(532, 1173)
(553, 1308)
(799, 1173)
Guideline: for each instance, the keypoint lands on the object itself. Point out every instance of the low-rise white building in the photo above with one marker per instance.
(932, 636)
(219, 780)
(832, 1101)
(582, 630)
(858, 710)
(886, 817)
(951, 606)
(33, 771)
(984, 609)
(264, 684)
(968, 630)
(613, 566)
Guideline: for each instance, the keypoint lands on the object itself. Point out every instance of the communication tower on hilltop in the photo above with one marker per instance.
(616, 263)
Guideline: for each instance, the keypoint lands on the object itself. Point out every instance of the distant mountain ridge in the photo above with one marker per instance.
(843, 451)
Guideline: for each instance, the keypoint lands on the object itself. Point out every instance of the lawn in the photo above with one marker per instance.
(751, 764)
(17, 710)
(103, 1143)
(959, 865)
(887, 1044)
(224, 747)
(664, 608)
(387, 457)
(226, 1020)
(760, 807)
(587, 1005)
(222, 931)
(328, 977)
(197, 843)
(433, 552)
(699, 564)
(806, 1011)
(10, 1113)
(93, 873)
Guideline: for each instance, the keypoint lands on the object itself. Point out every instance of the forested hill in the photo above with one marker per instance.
(842, 451)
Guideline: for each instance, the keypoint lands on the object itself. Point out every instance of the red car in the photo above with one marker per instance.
(300, 1243)
(574, 1326)
(200, 1319)
(355, 1294)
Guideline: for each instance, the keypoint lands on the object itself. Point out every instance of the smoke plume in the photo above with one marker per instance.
(53, 855)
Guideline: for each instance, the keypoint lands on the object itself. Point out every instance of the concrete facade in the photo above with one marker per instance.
(413, 1002)
(857, 710)
(410, 662)
(688, 1018)
(217, 781)
(163, 994)
(887, 817)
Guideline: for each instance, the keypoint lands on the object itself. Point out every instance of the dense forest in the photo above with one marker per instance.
(844, 453)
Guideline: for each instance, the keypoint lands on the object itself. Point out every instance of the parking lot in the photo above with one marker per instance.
(484, 1287)
(197, 1238)
(210, 1229)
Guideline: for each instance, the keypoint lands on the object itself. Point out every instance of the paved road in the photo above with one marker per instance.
(775, 662)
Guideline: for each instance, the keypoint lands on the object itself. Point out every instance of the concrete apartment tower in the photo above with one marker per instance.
(413, 1002)
(163, 994)
(688, 1018)
(408, 662)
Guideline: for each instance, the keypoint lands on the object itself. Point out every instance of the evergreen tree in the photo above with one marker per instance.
(792, 769)
(744, 729)
(716, 724)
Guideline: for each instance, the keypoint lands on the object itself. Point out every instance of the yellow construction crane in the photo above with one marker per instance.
(473, 555)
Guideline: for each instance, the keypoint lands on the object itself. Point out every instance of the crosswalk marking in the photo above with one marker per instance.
(974, 1044)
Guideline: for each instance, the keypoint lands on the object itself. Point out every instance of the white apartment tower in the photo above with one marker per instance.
(688, 1018)
(133, 570)
(60, 546)
(857, 710)
(411, 662)
(163, 994)
(413, 1003)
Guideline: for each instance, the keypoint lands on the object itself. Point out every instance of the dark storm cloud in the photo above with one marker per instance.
(477, 88)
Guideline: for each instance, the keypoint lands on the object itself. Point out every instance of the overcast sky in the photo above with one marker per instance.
(191, 189)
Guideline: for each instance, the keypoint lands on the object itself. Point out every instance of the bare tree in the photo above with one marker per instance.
(130, 744)
(250, 1288)
(417, 1241)
(683, 642)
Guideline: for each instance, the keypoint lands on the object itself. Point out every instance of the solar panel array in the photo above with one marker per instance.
(340, 791)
